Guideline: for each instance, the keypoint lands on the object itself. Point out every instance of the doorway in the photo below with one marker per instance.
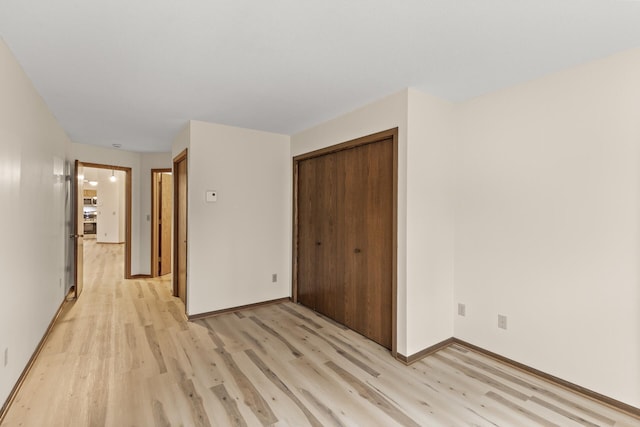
(161, 221)
(180, 207)
(345, 234)
(113, 203)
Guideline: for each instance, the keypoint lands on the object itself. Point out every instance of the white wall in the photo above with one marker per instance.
(110, 209)
(181, 142)
(238, 242)
(384, 114)
(430, 221)
(141, 165)
(548, 224)
(32, 221)
(148, 161)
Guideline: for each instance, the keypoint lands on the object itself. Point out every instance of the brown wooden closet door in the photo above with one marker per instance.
(318, 287)
(307, 274)
(345, 205)
(365, 225)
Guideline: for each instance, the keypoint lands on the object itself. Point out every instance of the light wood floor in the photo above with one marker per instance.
(123, 355)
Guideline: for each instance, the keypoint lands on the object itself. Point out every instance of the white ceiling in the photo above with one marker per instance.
(133, 72)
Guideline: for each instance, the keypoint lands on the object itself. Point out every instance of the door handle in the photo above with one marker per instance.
(75, 236)
(357, 251)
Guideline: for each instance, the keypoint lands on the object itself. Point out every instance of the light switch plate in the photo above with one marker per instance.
(211, 196)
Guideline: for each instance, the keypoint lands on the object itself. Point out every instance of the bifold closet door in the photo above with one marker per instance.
(365, 203)
(318, 286)
(345, 237)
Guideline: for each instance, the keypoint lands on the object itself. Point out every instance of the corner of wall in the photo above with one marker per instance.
(430, 221)
(249, 224)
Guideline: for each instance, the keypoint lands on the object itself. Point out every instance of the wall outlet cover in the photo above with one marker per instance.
(502, 321)
(462, 309)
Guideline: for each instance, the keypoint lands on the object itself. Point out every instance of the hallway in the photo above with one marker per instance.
(123, 354)
(87, 372)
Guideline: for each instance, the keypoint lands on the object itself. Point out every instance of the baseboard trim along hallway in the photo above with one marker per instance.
(32, 359)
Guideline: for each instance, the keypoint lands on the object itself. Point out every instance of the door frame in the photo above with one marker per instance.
(127, 209)
(154, 220)
(368, 139)
(78, 237)
(176, 244)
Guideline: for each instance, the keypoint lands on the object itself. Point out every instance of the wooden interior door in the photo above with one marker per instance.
(164, 224)
(78, 236)
(319, 287)
(345, 236)
(366, 206)
(307, 207)
(180, 224)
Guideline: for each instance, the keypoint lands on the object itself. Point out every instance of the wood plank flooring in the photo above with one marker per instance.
(123, 355)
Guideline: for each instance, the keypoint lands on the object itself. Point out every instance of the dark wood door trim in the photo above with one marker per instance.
(176, 219)
(78, 230)
(369, 139)
(154, 220)
(127, 213)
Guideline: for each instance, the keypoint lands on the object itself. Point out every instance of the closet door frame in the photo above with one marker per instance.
(369, 139)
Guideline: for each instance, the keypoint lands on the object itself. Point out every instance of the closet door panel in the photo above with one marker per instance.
(345, 237)
(317, 287)
(329, 298)
(307, 206)
(366, 208)
(352, 216)
(378, 237)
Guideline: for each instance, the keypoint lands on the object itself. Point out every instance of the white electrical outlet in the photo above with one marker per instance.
(462, 309)
(502, 321)
(274, 278)
(211, 196)
(6, 356)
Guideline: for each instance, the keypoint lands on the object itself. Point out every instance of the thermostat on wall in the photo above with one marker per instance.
(211, 196)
